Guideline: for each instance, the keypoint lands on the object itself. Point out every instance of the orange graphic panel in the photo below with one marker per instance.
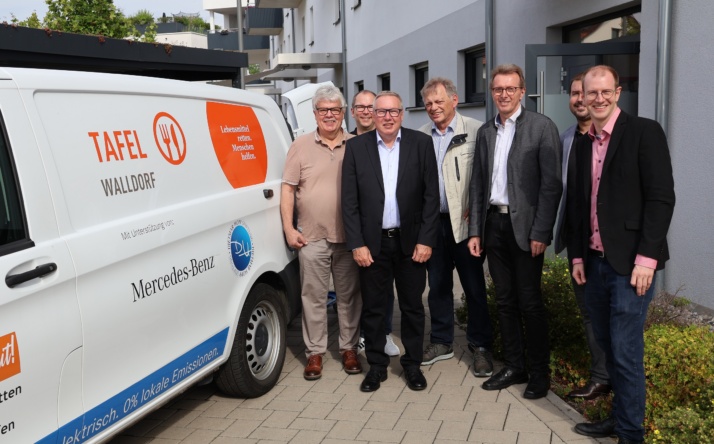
(239, 143)
(9, 356)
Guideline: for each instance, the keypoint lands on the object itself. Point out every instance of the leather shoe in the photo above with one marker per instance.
(506, 377)
(600, 429)
(537, 388)
(627, 441)
(415, 378)
(591, 390)
(351, 363)
(313, 369)
(372, 380)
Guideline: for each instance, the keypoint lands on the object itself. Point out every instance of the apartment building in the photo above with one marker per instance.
(659, 47)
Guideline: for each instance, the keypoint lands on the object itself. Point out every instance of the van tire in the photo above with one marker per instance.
(258, 351)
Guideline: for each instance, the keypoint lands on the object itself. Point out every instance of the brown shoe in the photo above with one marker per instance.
(313, 369)
(591, 391)
(351, 363)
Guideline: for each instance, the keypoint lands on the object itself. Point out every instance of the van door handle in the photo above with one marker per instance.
(12, 280)
(268, 193)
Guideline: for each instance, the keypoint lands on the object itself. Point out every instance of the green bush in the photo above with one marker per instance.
(680, 384)
(679, 360)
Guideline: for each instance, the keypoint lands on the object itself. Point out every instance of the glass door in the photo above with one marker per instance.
(550, 68)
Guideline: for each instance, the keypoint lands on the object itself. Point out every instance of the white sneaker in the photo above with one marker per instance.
(390, 347)
(360, 346)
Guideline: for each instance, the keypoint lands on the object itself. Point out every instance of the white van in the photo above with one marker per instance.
(141, 247)
(297, 105)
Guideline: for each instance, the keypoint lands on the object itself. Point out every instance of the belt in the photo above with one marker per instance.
(597, 253)
(502, 209)
(390, 232)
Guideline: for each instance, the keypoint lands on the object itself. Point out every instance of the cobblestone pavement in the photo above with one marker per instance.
(452, 409)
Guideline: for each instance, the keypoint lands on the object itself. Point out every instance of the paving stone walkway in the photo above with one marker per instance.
(452, 409)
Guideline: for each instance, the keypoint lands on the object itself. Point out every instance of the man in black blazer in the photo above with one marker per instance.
(622, 208)
(390, 208)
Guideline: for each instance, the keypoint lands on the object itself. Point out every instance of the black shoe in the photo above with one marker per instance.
(372, 380)
(415, 378)
(506, 377)
(601, 429)
(591, 390)
(537, 387)
(627, 441)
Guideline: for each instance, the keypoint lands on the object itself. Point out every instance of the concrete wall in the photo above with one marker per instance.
(690, 144)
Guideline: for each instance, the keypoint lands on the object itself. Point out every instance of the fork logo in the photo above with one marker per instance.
(169, 138)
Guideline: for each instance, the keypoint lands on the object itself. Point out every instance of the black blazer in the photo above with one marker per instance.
(417, 192)
(635, 200)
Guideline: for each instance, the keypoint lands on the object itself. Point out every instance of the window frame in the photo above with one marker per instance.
(420, 73)
(471, 57)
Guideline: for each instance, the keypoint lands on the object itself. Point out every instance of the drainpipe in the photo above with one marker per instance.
(490, 112)
(344, 54)
(662, 94)
(239, 10)
(292, 32)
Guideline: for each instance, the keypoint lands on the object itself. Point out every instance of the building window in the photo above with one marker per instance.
(475, 75)
(421, 75)
(384, 82)
(359, 86)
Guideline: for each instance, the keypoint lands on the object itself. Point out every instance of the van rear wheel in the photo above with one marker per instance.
(258, 351)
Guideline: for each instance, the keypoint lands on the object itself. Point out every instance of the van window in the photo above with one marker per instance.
(13, 232)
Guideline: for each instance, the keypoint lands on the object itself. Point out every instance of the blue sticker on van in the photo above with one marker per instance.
(146, 390)
(241, 246)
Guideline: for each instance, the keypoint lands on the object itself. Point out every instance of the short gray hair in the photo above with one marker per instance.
(387, 94)
(431, 85)
(328, 93)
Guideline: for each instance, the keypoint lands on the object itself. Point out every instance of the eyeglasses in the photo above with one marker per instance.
(394, 112)
(511, 90)
(361, 108)
(606, 94)
(334, 111)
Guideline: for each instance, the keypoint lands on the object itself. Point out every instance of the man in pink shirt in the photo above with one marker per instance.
(621, 211)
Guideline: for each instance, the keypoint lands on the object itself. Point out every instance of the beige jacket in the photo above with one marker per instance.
(457, 169)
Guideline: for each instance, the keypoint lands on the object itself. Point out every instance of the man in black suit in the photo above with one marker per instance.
(621, 211)
(390, 208)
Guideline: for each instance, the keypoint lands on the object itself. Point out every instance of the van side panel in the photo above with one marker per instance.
(169, 205)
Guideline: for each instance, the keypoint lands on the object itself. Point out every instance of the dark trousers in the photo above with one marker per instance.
(598, 361)
(446, 255)
(618, 318)
(375, 281)
(517, 275)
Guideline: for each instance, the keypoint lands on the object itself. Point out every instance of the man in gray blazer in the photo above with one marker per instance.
(599, 383)
(515, 189)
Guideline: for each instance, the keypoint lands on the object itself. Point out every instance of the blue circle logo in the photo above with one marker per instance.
(241, 245)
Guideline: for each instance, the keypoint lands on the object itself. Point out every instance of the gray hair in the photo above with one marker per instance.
(328, 93)
(431, 85)
(386, 94)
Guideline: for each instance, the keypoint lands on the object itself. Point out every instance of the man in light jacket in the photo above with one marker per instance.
(454, 139)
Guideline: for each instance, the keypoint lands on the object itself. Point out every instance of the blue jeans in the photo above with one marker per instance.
(444, 256)
(618, 318)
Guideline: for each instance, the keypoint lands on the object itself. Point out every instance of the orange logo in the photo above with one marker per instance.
(169, 137)
(9, 356)
(239, 143)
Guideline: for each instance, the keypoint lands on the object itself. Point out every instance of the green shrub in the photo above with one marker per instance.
(679, 360)
(680, 383)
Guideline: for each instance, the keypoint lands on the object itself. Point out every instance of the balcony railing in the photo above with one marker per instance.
(263, 21)
(228, 41)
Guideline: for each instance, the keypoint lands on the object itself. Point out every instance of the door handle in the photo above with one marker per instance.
(12, 280)
(268, 193)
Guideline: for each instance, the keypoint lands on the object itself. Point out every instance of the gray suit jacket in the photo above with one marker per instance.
(566, 141)
(534, 178)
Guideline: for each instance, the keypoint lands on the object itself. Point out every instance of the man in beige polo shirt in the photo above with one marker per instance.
(312, 180)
